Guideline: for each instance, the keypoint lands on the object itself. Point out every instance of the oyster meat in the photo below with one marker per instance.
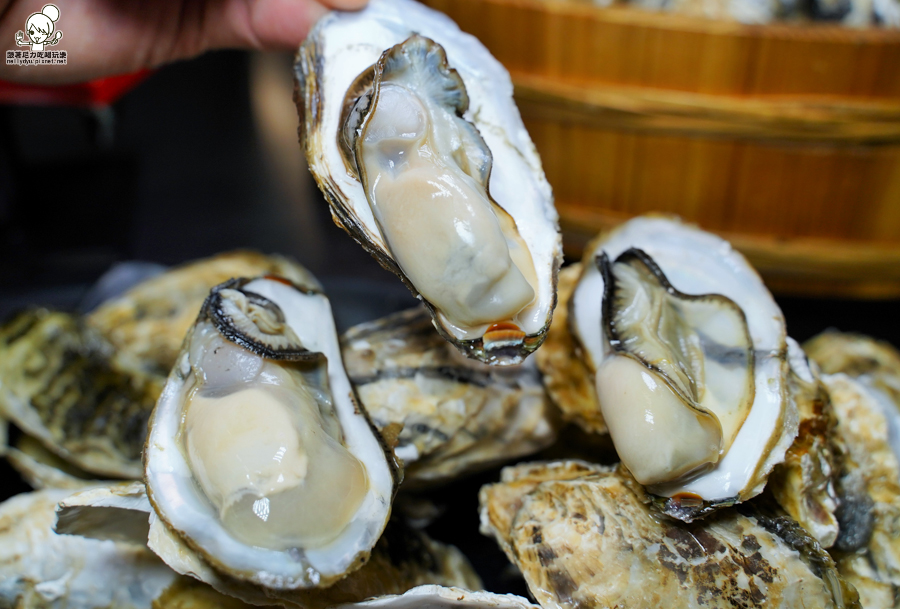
(457, 415)
(689, 356)
(259, 456)
(584, 536)
(411, 132)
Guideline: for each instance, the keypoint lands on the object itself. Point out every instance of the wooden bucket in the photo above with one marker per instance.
(783, 138)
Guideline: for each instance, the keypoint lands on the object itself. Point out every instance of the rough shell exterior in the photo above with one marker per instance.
(583, 536)
(403, 558)
(63, 384)
(567, 379)
(457, 415)
(868, 547)
(148, 322)
(804, 484)
(41, 569)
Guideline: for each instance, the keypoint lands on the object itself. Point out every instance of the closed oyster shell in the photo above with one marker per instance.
(867, 550)
(61, 383)
(804, 484)
(584, 536)
(457, 415)
(464, 96)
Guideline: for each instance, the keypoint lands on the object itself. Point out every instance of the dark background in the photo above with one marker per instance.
(203, 157)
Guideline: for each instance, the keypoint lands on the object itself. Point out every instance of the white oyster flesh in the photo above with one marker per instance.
(412, 133)
(258, 455)
(425, 171)
(689, 354)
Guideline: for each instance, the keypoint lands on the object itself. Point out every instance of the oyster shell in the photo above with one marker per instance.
(584, 536)
(147, 323)
(400, 109)
(670, 318)
(402, 559)
(804, 484)
(438, 597)
(867, 549)
(84, 386)
(258, 455)
(39, 568)
(457, 415)
(61, 383)
(566, 377)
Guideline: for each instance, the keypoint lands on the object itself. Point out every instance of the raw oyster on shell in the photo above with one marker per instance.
(584, 536)
(689, 356)
(258, 456)
(457, 415)
(403, 558)
(411, 133)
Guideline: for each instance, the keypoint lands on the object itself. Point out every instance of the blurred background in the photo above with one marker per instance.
(783, 138)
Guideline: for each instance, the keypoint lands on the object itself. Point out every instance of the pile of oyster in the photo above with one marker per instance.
(208, 438)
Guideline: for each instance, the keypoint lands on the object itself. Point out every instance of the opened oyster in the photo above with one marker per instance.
(258, 455)
(689, 356)
(411, 132)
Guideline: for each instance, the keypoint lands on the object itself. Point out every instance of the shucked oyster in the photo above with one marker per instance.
(411, 133)
(258, 455)
(689, 354)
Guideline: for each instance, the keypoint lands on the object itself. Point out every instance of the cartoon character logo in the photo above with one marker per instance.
(40, 28)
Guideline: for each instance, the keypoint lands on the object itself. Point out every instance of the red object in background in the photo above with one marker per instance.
(100, 92)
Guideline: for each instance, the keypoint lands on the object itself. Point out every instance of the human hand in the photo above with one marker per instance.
(108, 37)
